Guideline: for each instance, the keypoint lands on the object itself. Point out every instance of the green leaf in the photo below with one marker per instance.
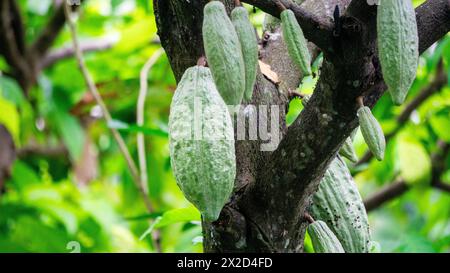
(440, 122)
(136, 35)
(172, 217)
(23, 175)
(178, 216)
(10, 118)
(10, 90)
(132, 128)
(71, 132)
(144, 216)
(415, 163)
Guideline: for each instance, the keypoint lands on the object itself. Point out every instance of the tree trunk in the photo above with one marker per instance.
(273, 189)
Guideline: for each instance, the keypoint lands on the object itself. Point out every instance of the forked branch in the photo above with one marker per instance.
(317, 30)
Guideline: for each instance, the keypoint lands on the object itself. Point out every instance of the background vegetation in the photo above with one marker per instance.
(70, 183)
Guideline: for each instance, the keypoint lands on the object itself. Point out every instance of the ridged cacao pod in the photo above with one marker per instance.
(338, 203)
(201, 139)
(223, 52)
(323, 239)
(249, 45)
(398, 46)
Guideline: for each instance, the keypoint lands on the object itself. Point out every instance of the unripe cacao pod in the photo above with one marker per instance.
(372, 132)
(348, 151)
(338, 203)
(296, 42)
(398, 46)
(201, 139)
(323, 239)
(249, 45)
(223, 52)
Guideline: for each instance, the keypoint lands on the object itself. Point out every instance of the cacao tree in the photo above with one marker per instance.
(95, 146)
(268, 209)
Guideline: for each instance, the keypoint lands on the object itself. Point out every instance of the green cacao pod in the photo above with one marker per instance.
(295, 42)
(348, 151)
(249, 45)
(323, 239)
(372, 132)
(338, 203)
(398, 46)
(201, 139)
(223, 52)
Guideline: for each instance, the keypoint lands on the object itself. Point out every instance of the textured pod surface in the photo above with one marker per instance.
(295, 42)
(323, 239)
(339, 204)
(223, 52)
(398, 46)
(249, 44)
(372, 132)
(202, 143)
(348, 151)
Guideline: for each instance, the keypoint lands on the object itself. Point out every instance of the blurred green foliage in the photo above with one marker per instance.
(45, 206)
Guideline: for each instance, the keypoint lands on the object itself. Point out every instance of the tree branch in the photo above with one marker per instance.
(46, 151)
(12, 43)
(397, 188)
(433, 22)
(18, 27)
(432, 19)
(317, 30)
(389, 192)
(7, 155)
(50, 32)
(362, 10)
(67, 52)
(293, 172)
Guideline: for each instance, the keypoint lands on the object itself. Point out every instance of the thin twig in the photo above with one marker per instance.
(360, 101)
(140, 116)
(316, 29)
(67, 52)
(93, 89)
(387, 193)
(280, 5)
(400, 186)
(294, 94)
(50, 32)
(309, 218)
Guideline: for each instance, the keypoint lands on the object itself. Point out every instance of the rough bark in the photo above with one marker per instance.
(7, 155)
(25, 60)
(273, 189)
